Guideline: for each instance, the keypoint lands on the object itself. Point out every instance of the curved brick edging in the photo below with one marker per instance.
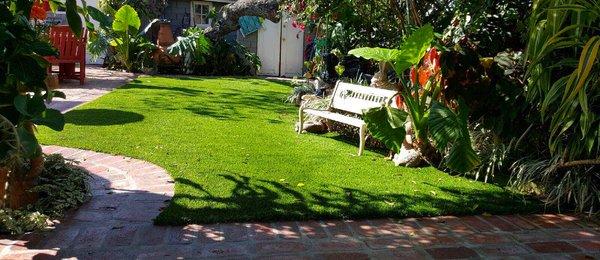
(128, 193)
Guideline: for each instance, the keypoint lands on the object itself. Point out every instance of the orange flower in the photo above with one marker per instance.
(38, 11)
(424, 74)
(430, 67)
(399, 102)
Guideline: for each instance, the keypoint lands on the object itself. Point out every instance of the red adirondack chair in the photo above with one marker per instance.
(71, 51)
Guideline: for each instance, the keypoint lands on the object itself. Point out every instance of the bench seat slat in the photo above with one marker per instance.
(336, 117)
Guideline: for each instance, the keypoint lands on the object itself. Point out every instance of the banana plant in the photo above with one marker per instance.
(125, 26)
(438, 130)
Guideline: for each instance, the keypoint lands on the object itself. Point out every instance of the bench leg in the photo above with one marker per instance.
(300, 120)
(363, 137)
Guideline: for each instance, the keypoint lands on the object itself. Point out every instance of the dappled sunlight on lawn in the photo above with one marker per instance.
(230, 145)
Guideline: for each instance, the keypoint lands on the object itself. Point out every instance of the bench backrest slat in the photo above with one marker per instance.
(355, 98)
(69, 46)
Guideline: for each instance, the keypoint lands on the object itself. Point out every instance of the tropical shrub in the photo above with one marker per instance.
(202, 56)
(193, 47)
(563, 75)
(493, 26)
(439, 125)
(120, 35)
(24, 92)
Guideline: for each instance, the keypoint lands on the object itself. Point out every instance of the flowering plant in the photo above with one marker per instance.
(439, 126)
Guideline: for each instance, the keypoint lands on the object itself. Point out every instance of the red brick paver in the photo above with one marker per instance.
(129, 193)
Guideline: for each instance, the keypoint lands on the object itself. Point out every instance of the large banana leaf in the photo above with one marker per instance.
(410, 53)
(386, 124)
(449, 131)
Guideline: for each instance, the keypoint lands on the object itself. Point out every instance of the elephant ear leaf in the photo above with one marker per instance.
(376, 54)
(449, 132)
(414, 48)
(125, 18)
(386, 124)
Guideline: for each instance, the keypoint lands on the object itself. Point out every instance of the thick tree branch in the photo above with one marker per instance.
(231, 13)
(580, 163)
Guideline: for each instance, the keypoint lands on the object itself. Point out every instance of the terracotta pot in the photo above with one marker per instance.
(165, 35)
(52, 82)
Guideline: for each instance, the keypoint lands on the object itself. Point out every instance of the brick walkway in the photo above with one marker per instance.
(128, 193)
(98, 82)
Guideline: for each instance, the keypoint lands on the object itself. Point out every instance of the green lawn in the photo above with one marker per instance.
(231, 147)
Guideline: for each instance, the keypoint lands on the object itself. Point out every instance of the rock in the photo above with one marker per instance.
(408, 157)
(313, 127)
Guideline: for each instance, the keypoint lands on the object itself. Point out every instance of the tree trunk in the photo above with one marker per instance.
(231, 13)
(428, 153)
(19, 180)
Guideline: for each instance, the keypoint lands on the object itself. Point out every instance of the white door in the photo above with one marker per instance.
(292, 48)
(280, 48)
(269, 48)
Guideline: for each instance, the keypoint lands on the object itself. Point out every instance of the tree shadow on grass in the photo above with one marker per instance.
(136, 84)
(255, 199)
(230, 104)
(101, 117)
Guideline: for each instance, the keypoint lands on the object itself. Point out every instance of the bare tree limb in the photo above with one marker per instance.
(231, 13)
(580, 163)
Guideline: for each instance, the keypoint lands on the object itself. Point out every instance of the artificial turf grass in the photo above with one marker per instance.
(231, 147)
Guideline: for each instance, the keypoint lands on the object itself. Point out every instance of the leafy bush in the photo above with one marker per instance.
(194, 47)
(564, 86)
(16, 222)
(299, 91)
(348, 24)
(202, 56)
(492, 26)
(62, 186)
(23, 72)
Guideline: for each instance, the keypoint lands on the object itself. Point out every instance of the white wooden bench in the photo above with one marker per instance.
(353, 99)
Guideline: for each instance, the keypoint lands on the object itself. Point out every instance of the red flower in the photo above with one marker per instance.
(308, 38)
(413, 75)
(298, 25)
